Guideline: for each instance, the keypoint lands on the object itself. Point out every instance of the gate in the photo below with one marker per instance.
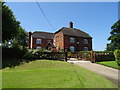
(83, 55)
(93, 56)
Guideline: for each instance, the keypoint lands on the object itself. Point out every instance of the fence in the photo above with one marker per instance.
(104, 56)
(93, 56)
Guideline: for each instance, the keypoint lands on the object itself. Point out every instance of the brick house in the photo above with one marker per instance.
(40, 40)
(65, 38)
(72, 39)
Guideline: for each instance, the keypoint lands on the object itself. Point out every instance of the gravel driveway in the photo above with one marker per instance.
(110, 73)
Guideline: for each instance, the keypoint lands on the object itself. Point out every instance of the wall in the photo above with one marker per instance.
(59, 39)
(78, 47)
(43, 44)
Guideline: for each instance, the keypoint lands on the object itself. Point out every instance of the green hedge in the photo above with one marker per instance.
(15, 53)
(12, 56)
(117, 56)
(43, 54)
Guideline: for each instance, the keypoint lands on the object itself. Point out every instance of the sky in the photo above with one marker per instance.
(95, 18)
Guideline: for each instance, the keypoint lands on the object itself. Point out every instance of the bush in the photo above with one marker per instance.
(29, 55)
(15, 53)
(117, 56)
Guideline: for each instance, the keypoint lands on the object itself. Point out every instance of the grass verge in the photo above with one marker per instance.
(52, 74)
(112, 64)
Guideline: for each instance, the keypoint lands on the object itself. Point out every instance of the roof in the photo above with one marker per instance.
(73, 32)
(39, 34)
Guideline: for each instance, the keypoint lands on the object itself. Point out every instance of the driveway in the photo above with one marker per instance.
(110, 73)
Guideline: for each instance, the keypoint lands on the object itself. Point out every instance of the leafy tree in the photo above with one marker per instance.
(115, 37)
(13, 35)
(21, 39)
(10, 25)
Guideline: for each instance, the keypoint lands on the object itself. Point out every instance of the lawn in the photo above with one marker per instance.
(112, 64)
(52, 74)
(0, 79)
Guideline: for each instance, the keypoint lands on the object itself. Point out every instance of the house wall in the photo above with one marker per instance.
(59, 40)
(78, 47)
(62, 41)
(43, 44)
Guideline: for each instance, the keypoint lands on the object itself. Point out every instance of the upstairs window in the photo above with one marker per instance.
(85, 48)
(72, 40)
(39, 41)
(85, 41)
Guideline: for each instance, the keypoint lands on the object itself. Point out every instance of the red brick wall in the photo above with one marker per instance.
(63, 41)
(43, 44)
(78, 47)
(59, 39)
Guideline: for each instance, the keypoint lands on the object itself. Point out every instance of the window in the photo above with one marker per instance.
(38, 47)
(77, 42)
(38, 41)
(72, 40)
(72, 49)
(85, 48)
(85, 41)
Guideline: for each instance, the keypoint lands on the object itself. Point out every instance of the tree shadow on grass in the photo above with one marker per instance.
(11, 63)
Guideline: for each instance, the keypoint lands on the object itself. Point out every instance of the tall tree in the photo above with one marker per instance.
(13, 35)
(21, 39)
(115, 37)
(10, 25)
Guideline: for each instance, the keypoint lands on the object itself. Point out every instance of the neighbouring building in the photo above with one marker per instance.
(40, 39)
(65, 38)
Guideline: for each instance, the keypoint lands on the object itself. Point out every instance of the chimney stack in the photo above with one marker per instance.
(30, 40)
(70, 25)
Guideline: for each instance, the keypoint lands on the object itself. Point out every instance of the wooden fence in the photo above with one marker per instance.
(104, 56)
(93, 56)
(88, 56)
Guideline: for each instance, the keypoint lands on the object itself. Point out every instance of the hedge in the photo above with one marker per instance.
(15, 53)
(117, 56)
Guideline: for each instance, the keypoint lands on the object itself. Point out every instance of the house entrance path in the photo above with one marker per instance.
(110, 73)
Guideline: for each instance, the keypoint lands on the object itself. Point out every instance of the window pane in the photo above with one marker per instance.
(85, 41)
(72, 40)
(38, 41)
(85, 48)
(72, 49)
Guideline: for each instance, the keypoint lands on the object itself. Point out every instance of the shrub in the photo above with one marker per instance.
(15, 53)
(117, 56)
(29, 55)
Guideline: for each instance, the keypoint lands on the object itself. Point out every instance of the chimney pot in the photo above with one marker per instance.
(70, 25)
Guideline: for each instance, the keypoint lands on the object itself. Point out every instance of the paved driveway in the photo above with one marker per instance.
(110, 73)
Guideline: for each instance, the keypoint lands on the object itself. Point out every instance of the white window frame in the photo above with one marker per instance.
(72, 48)
(38, 47)
(85, 41)
(72, 40)
(85, 48)
(38, 41)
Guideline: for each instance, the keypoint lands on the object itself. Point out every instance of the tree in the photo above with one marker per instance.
(13, 35)
(21, 39)
(115, 37)
(10, 25)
